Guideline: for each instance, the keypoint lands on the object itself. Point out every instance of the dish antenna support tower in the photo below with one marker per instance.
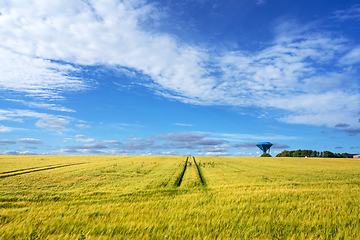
(264, 146)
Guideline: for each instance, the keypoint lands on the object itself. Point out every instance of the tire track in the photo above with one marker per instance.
(24, 169)
(202, 179)
(180, 177)
(35, 169)
(170, 181)
(200, 176)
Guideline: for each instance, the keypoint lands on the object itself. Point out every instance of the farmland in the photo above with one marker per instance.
(162, 197)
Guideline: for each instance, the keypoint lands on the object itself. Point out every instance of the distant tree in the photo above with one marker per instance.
(265, 155)
(287, 154)
(297, 153)
(305, 153)
(328, 154)
(311, 153)
(284, 154)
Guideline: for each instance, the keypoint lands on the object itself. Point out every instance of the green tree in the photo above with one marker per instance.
(265, 155)
(297, 153)
(284, 154)
(315, 154)
(328, 154)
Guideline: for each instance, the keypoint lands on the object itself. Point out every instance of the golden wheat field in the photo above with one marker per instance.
(165, 197)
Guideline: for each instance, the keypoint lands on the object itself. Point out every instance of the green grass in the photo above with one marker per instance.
(136, 197)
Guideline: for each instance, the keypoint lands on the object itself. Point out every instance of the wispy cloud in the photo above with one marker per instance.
(279, 146)
(184, 124)
(4, 129)
(260, 2)
(29, 141)
(36, 77)
(28, 147)
(181, 137)
(98, 147)
(13, 152)
(6, 142)
(253, 145)
(125, 126)
(246, 137)
(52, 123)
(350, 131)
(351, 57)
(42, 105)
(44, 120)
(83, 126)
(89, 140)
(352, 13)
(287, 74)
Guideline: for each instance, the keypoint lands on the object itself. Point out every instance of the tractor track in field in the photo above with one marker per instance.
(202, 179)
(24, 169)
(35, 169)
(180, 177)
(168, 181)
(198, 169)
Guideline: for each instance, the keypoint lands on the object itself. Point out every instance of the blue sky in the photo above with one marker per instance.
(201, 77)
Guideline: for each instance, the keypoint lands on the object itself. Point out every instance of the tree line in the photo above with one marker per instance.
(311, 153)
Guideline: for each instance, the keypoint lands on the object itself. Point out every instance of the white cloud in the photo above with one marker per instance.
(214, 149)
(285, 76)
(260, 2)
(352, 57)
(53, 123)
(79, 136)
(111, 142)
(89, 140)
(353, 13)
(35, 76)
(20, 115)
(184, 124)
(83, 126)
(181, 137)
(243, 137)
(48, 121)
(170, 153)
(217, 154)
(289, 74)
(95, 147)
(28, 147)
(8, 129)
(95, 33)
(92, 146)
(50, 106)
(29, 141)
(13, 152)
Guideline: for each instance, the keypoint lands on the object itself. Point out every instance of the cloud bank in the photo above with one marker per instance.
(165, 144)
